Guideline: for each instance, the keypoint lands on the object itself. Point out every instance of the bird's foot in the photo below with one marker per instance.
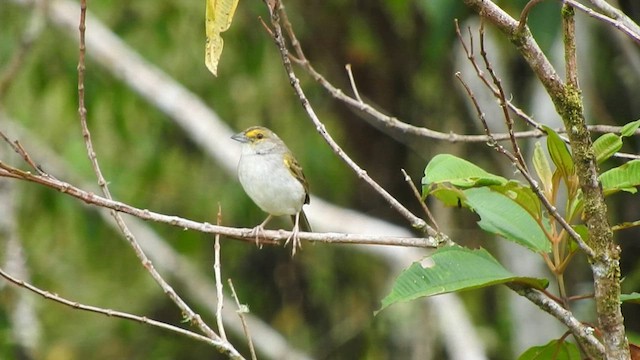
(258, 232)
(295, 240)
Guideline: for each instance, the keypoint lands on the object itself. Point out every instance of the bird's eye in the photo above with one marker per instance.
(259, 136)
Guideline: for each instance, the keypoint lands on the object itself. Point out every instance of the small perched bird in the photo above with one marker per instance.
(273, 179)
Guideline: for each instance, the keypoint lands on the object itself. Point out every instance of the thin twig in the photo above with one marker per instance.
(218, 278)
(243, 309)
(623, 23)
(19, 149)
(108, 312)
(353, 83)
(503, 101)
(581, 297)
(423, 204)
(525, 14)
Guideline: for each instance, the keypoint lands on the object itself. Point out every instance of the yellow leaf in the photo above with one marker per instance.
(219, 14)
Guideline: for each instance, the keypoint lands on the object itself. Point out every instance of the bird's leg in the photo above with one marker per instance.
(259, 230)
(294, 237)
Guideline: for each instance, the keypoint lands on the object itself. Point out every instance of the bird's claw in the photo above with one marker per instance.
(257, 232)
(295, 241)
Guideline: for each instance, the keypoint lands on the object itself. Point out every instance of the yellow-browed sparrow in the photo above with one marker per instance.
(273, 179)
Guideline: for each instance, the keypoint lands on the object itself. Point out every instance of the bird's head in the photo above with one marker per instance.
(258, 138)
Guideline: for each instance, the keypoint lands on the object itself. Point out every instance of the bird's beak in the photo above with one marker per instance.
(241, 137)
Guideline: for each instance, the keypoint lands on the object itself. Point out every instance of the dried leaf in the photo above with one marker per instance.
(219, 14)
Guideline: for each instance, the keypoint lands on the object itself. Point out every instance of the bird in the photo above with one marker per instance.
(272, 177)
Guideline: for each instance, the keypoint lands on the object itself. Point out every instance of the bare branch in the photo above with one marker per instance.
(245, 234)
(242, 309)
(525, 13)
(353, 83)
(218, 278)
(503, 103)
(416, 194)
(613, 17)
(223, 346)
(584, 333)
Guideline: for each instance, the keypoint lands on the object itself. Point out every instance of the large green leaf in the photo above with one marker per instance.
(445, 168)
(500, 215)
(554, 350)
(453, 268)
(623, 178)
(606, 145)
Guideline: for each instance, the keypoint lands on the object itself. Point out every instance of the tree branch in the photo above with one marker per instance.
(568, 103)
(582, 332)
(222, 345)
(272, 236)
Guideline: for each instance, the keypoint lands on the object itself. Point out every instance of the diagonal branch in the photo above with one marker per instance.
(108, 312)
(582, 332)
(612, 16)
(276, 9)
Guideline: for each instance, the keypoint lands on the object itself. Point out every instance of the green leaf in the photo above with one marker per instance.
(576, 206)
(543, 169)
(449, 269)
(523, 196)
(445, 168)
(606, 145)
(622, 178)
(554, 350)
(559, 153)
(630, 128)
(449, 195)
(633, 297)
(500, 215)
